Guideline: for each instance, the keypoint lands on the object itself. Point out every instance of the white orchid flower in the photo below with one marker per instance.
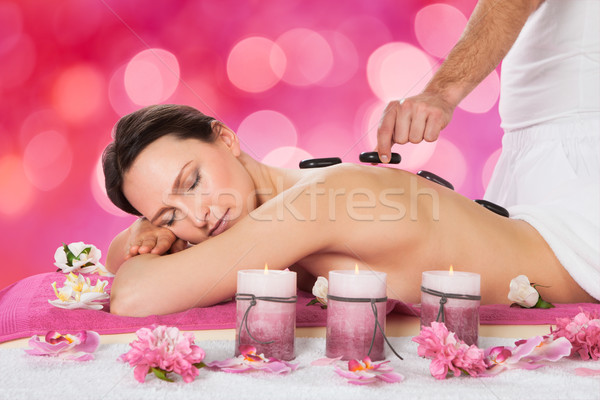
(78, 292)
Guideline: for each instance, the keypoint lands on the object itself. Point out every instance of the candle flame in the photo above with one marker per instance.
(451, 271)
(356, 269)
(266, 269)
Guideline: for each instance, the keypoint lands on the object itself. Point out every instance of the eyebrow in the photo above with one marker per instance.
(176, 185)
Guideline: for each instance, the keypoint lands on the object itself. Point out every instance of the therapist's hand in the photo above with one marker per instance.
(145, 238)
(413, 120)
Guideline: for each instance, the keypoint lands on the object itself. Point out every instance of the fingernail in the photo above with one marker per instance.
(384, 158)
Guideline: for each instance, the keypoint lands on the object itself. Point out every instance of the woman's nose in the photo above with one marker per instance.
(200, 216)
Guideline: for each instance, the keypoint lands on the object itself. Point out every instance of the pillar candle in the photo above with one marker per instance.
(267, 321)
(350, 325)
(461, 315)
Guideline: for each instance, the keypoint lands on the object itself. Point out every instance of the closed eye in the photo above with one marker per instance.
(196, 182)
(171, 220)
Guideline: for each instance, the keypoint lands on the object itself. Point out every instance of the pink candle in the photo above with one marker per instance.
(461, 315)
(267, 321)
(350, 325)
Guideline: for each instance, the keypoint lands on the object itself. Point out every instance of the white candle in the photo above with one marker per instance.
(461, 315)
(350, 325)
(267, 321)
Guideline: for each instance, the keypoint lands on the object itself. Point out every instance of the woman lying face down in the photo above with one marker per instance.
(209, 209)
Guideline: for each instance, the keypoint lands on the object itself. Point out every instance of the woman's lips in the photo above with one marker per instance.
(220, 226)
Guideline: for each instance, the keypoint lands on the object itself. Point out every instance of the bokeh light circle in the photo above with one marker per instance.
(286, 157)
(396, 70)
(42, 120)
(78, 93)
(255, 64)
(75, 21)
(16, 192)
(265, 130)
(484, 96)
(365, 31)
(308, 54)
(151, 76)
(329, 139)
(18, 63)
(99, 191)
(47, 160)
(11, 26)
(414, 155)
(345, 59)
(438, 27)
(488, 168)
(117, 95)
(449, 163)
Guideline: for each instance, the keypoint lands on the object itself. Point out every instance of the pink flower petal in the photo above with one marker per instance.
(325, 361)
(89, 342)
(354, 365)
(587, 371)
(166, 348)
(77, 347)
(246, 349)
(552, 350)
(391, 377)
(140, 372)
(525, 348)
(362, 381)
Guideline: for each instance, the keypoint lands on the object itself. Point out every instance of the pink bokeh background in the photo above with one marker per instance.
(296, 79)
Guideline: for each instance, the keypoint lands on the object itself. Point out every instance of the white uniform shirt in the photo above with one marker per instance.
(553, 69)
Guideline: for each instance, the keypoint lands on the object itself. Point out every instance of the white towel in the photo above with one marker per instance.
(29, 377)
(549, 176)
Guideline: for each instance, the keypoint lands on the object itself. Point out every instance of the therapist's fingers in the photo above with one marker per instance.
(404, 120)
(432, 129)
(385, 132)
(417, 127)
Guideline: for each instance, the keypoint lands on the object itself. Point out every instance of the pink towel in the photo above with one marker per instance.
(25, 311)
(503, 314)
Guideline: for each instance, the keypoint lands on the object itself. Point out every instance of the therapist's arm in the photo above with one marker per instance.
(490, 33)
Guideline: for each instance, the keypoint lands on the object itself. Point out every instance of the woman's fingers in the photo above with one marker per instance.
(163, 243)
(178, 245)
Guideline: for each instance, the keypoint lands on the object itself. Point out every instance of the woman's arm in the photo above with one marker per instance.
(278, 233)
(141, 238)
(490, 33)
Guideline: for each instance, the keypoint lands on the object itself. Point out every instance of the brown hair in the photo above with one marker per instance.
(134, 132)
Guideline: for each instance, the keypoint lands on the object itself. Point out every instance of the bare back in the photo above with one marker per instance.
(379, 218)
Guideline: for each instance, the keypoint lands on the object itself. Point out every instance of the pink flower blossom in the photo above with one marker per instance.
(526, 354)
(163, 349)
(448, 353)
(250, 361)
(366, 372)
(78, 347)
(583, 331)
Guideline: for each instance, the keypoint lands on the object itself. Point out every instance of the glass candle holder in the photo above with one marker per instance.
(266, 312)
(452, 297)
(351, 331)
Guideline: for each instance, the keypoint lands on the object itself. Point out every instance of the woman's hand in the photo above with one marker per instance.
(145, 238)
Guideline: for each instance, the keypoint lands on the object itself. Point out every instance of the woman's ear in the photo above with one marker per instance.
(228, 137)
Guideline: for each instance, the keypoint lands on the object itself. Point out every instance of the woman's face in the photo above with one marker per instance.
(195, 189)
